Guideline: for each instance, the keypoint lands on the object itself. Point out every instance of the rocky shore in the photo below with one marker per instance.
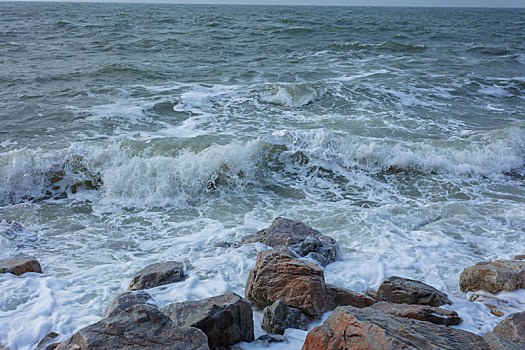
(288, 285)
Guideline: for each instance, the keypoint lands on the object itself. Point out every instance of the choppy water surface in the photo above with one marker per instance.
(132, 134)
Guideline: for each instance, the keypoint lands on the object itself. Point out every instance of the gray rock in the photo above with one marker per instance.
(277, 317)
(139, 327)
(372, 329)
(48, 342)
(157, 274)
(493, 276)
(226, 319)
(127, 300)
(300, 238)
(426, 313)
(520, 257)
(512, 330)
(343, 297)
(401, 290)
(267, 339)
(19, 266)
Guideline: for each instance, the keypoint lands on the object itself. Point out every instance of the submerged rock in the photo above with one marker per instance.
(493, 276)
(267, 339)
(277, 317)
(19, 266)
(371, 329)
(300, 238)
(279, 276)
(226, 319)
(157, 274)
(401, 290)
(139, 327)
(127, 300)
(48, 342)
(508, 334)
(426, 313)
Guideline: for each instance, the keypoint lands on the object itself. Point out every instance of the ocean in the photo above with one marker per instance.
(139, 133)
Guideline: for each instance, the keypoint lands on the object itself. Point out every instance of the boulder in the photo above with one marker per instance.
(226, 319)
(48, 342)
(267, 339)
(508, 334)
(139, 327)
(127, 300)
(342, 297)
(426, 313)
(279, 276)
(277, 317)
(493, 276)
(157, 274)
(371, 329)
(300, 238)
(401, 290)
(19, 266)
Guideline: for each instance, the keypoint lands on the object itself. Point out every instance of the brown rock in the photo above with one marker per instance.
(279, 276)
(426, 313)
(401, 290)
(226, 319)
(19, 266)
(48, 342)
(342, 297)
(300, 238)
(493, 277)
(512, 328)
(127, 300)
(371, 329)
(139, 327)
(520, 257)
(157, 274)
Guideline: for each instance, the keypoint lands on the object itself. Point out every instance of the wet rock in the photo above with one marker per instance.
(127, 300)
(512, 330)
(401, 290)
(139, 327)
(226, 319)
(493, 277)
(520, 257)
(279, 276)
(268, 339)
(157, 274)
(426, 313)
(369, 328)
(19, 266)
(342, 297)
(277, 317)
(300, 238)
(48, 342)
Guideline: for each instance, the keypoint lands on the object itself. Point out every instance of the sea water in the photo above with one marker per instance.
(135, 134)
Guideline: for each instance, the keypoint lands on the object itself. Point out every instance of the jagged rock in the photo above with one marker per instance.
(126, 300)
(226, 319)
(19, 266)
(300, 238)
(157, 274)
(277, 317)
(401, 290)
(279, 276)
(139, 327)
(342, 297)
(371, 329)
(267, 339)
(426, 313)
(508, 334)
(493, 277)
(48, 342)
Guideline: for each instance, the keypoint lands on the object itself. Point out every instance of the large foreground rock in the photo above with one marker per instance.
(426, 313)
(157, 274)
(226, 319)
(126, 300)
(509, 334)
(140, 327)
(279, 276)
(401, 290)
(493, 277)
(300, 238)
(368, 328)
(19, 266)
(277, 317)
(338, 296)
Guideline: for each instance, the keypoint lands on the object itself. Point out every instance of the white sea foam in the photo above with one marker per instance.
(292, 95)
